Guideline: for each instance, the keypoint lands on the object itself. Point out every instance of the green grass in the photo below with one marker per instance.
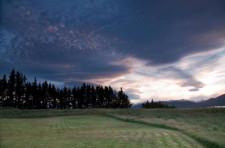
(205, 125)
(87, 130)
(112, 128)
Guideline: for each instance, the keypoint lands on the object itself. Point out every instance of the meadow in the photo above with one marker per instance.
(113, 128)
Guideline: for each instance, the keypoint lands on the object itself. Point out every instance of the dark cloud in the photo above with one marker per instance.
(163, 32)
(194, 89)
(61, 40)
(133, 96)
(187, 80)
(124, 81)
(57, 40)
(133, 93)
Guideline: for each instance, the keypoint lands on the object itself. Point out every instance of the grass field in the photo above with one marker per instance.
(112, 128)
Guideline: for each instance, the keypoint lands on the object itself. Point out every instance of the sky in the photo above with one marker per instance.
(160, 49)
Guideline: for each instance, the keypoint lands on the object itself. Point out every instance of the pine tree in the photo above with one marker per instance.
(65, 97)
(34, 94)
(93, 97)
(39, 96)
(28, 103)
(19, 93)
(45, 94)
(111, 97)
(155, 105)
(19, 89)
(83, 96)
(53, 95)
(3, 93)
(101, 96)
(106, 97)
(123, 99)
(11, 89)
(74, 93)
(88, 91)
(126, 102)
(120, 97)
(69, 99)
(79, 98)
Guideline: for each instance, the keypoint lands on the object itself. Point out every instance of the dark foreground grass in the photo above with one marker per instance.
(205, 127)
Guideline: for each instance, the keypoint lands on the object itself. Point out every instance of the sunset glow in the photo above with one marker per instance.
(162, 50)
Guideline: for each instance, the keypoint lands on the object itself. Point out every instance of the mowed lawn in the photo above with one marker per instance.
(87, 131)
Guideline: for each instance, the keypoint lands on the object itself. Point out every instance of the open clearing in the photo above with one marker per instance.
(87, 131)
(112, 128)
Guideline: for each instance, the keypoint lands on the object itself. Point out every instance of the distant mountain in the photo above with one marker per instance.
(218, 101)
(181, 103)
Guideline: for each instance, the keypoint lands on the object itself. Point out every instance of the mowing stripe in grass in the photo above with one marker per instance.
(206, 143)
(107, 132)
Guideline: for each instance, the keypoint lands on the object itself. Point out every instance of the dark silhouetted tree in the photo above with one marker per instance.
(11, 89)
(16, 92)
(3, 91)
(155, 105)
(19, 89)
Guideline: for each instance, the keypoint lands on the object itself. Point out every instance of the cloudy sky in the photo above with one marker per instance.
(161, 49)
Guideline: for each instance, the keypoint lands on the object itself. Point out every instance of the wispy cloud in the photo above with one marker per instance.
(190, 78)
(166, 50)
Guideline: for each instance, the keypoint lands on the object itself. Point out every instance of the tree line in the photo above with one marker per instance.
(17, 92)
(153, 104)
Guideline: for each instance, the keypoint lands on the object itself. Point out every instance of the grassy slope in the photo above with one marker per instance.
(204, 124)
(207, 124)
(87, 131)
